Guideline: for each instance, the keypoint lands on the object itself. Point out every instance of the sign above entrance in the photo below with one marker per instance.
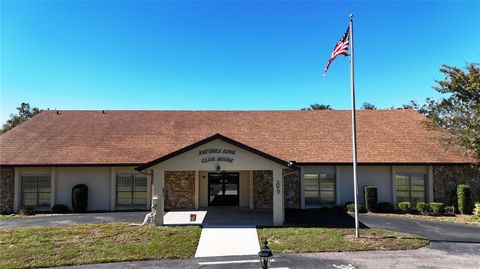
(217, 155)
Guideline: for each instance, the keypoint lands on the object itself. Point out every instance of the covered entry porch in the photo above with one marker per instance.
(220, 216)
(219, 174)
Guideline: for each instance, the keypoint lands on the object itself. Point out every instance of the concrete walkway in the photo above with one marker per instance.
(227, 241)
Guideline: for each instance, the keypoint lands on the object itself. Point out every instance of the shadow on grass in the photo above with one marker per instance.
(325, 218)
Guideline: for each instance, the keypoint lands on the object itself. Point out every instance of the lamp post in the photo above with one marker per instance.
(265, 254)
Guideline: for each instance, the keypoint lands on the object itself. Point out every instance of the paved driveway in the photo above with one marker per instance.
(69, 219)
(433, 230)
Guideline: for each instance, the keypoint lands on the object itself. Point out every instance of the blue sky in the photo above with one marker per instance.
(225, 54)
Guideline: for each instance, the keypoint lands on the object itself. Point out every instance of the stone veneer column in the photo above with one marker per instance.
(7, 186)
(262, 188)
(180, 189)
(292, 188)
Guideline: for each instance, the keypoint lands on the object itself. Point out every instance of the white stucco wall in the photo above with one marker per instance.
(97, 180)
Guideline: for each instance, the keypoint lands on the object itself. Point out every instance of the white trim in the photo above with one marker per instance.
(149, 189)
(394, 186)
(197, 190)
(16, 189)
(113, 189)
(302, 187)
(53, 180)
(430, 184)
(158, 195)
(337, 186)
(250, 189)
(278, 201)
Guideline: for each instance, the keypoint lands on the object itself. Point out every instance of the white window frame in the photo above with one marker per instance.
(37, 206)
(409, 175)
(334, 191)
(132, 204)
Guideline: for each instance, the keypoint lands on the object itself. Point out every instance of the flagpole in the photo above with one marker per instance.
(354, 126)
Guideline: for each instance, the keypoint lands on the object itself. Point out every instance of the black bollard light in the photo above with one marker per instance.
(265, 255)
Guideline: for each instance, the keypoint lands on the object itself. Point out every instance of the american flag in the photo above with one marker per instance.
(341, 48)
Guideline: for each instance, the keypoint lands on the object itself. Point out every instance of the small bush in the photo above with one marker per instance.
(464, 199)
(405, 207)
(385, 207)
(437, 208)
(423, 208)
(449, 211)
(27, 211)
(60, 209)
(476, 210)
(370, 198)
(350, 207)
(80, 198)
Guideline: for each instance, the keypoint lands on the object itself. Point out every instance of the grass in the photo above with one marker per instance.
(4, 217)
(463, 219)
(304, 240)
(94, 243)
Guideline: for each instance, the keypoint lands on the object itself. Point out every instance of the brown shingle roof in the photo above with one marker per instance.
(137, 137)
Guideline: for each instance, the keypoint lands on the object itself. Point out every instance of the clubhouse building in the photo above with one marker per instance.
(186, 160)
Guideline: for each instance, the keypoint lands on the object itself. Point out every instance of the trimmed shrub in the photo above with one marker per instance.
(422, 208)
(449, 210)
(27, 211)
(476, 210)
(80, 198)
(370, 198)
(405, 207)
(60, 209)
(385, 207)
(350, 207)
(464, 200)
(437, 208)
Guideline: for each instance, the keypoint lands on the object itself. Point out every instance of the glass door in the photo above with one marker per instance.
(223, 189)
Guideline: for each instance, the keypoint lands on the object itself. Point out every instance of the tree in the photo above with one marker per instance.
(24, 113)
(368, 106)
(318, 107)
(459, 111)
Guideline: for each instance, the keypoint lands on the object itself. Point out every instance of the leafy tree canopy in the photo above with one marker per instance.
(368, 106)
(459, 111)
(318, 107)
(24, 113)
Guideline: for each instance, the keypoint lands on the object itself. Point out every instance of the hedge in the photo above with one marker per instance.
(370, 198)
(464, 200)
(80, 198)
(385, 207)
(422, 208)
(437, 208)
(405, 207)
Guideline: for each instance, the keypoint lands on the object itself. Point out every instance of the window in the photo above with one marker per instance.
(319, 190)
(35, 191)
(411, 187)
(131, 189)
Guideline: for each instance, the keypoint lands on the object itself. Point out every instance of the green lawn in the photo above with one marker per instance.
(94, 243)
(463, 219)
(304, 240)
(3, 217)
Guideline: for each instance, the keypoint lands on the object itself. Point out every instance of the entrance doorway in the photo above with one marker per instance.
(223, 189)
